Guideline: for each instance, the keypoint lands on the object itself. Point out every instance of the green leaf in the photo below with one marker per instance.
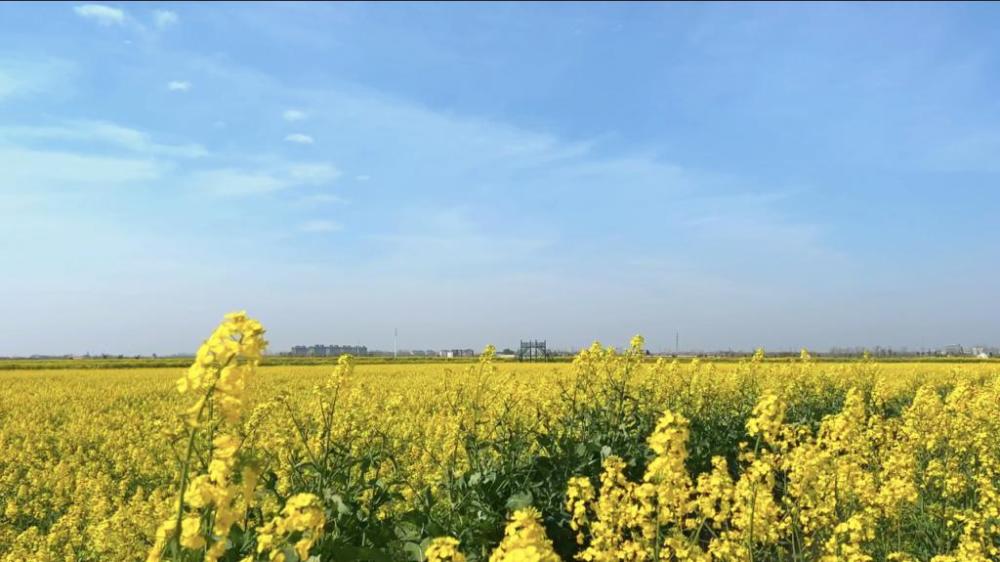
(519, 501)
(413, 551)
(338, 502)
(290, 554)
(348, 553)
(406, 530)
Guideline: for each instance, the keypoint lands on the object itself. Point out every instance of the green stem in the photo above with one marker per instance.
(753, 502)
(175, 541)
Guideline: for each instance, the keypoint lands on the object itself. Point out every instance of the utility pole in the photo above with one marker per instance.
(677, 343)
(395, 342)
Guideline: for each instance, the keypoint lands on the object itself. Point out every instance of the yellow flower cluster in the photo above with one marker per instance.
(301, 521)
(579, 496)
(524, 540)
(444, 549)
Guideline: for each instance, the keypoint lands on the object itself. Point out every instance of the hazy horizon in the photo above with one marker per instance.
(902, 351)
(751, 175)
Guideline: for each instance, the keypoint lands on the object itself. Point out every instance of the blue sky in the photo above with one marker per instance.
(772, 174)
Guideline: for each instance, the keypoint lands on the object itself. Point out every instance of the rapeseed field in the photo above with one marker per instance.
(610, 458)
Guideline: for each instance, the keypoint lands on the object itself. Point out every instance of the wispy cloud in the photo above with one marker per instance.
(441, 239)
(491, 163)
(230, 181)
(10, 84)
(21, 77)
(736, 226)
(38, 169)
(294, 115)
(319, 226)
(299, 138)
(103, 15)
(320, 199)
(164, 18)
(243, 182)
(178, 85)
(313, 173)
(102, 132)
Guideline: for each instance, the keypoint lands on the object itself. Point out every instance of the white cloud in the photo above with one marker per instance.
(238, 182)
(25, 168)
(362, 177)
(313, 173)
(294, 115)
(178, 86)
(429, 238)
(90, 132)
(229, 181)
(321, 199)
(319, 226)
(10, 84)
(103, 15)
(299, 138)
(24, 77)
(164, 18)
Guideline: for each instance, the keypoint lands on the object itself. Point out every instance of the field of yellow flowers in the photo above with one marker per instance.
(612, 457)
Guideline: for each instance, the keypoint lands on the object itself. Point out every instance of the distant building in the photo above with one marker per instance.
(954, 349)
(533, 350)
(328, 350)
(419, 353)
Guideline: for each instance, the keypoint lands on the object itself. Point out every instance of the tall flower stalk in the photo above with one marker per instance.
(209, 504)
